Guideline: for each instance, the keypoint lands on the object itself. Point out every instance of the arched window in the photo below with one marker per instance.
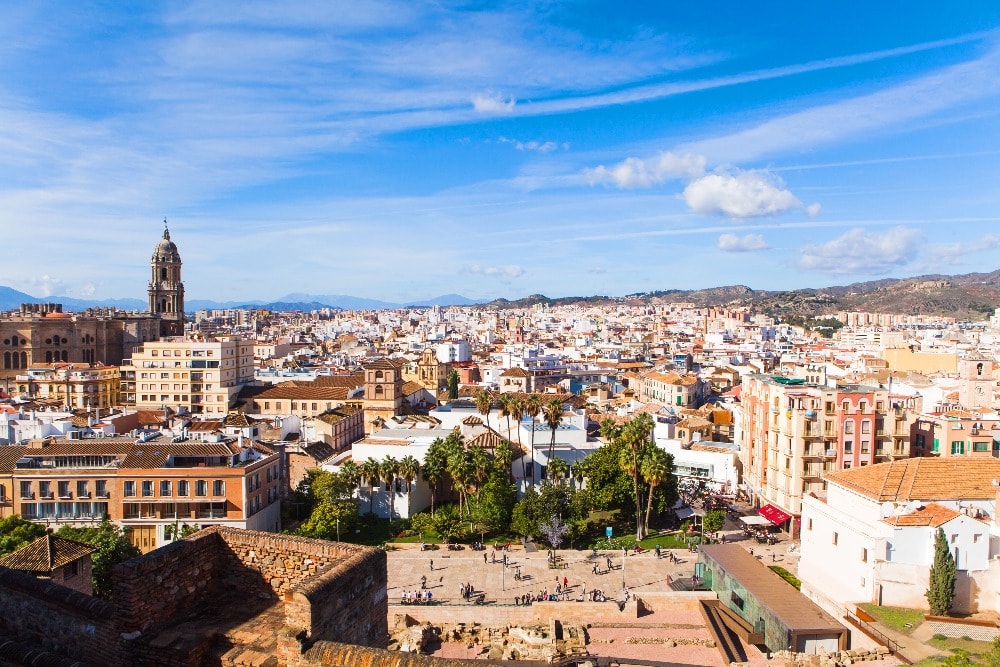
(163, 306)
(163, 273)
(378, 376)
(6, 359)
(24, 359)
(979, 369)
(65, 356)
(48, 357)
(378, 390)
(13, 342)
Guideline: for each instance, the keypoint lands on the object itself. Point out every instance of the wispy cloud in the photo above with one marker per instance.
(636, 172)
(503, 271)
(745, 243)
(533, 145)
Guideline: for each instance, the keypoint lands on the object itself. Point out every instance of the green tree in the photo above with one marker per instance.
(608, 486)
(334, 505)
(552, 412)
(452, 384)
(941, 591)
(656, 468)
(496, 502)
(113, 547)
(713, 521)
(558, 469)
(484, 403)
(16, 532)
(435, 467)
(532, 408)
(390, 470)
(371, 473)
(636, 434)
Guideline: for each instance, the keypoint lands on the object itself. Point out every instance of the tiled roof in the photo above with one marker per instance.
(352, 381)
(45, 554)
(515, 372)
(932, 514)
(411, 387)
(206, 425)
(10, 456)
(923, 479)
(487, 440)
(154, 454)
(472, 420)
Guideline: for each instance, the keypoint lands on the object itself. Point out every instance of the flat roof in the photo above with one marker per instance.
(798, 613)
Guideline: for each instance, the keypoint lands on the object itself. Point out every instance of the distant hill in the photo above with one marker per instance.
(971, 296)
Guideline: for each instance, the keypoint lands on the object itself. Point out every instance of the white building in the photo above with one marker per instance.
(877, 525)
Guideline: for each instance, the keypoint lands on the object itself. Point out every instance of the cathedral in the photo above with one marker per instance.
(166, 291)
(39, 334)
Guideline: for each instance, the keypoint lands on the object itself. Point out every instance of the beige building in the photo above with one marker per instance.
(428, 371)
(902, 359)
(73, 386)
(383, 393)
(196, 374)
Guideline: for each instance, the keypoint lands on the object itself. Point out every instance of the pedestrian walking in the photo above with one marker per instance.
(484, 559)
(432, 564)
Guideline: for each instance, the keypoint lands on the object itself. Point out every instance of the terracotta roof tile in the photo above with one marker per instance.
(922, 479)
(932, 514)
(45, 554)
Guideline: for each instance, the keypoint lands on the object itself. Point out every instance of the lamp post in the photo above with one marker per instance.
(338, 528)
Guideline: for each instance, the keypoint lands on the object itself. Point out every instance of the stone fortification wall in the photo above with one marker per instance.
(58, 619)
(153, 588)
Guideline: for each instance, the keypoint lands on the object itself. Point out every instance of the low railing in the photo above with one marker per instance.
(872, 632)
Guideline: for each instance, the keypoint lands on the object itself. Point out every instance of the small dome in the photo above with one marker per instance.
(166, 250)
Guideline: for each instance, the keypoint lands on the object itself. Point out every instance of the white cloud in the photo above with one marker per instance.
(493, 103)
(863, 252)
(739, 194)
(954, 253)
(503, 271)
(43, 286)
(746, 243)
(634, 172)
(539, 146)
(813, 210)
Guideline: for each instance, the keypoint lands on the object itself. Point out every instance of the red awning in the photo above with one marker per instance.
(774, 515)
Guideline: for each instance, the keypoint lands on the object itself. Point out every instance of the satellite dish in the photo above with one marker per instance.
(887, 509)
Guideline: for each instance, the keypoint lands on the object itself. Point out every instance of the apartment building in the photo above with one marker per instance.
(961, 433)
(795, 433)
(193, 374)
(72, 386)
(672, 388)
(149, 486)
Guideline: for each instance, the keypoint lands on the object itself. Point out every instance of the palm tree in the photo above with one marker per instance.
(656, 467)
(409, 468)
(372, 474)
(558, 469)
(553, 415)
(350, 473)
(504, 456)
(636, 434)
(505, 406)
(390, 470)
(479, 467)
(517, 412)
(532, 406)
(435, 467)
(459, 468)
(484, 403)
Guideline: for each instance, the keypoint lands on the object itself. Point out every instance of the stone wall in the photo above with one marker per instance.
(153, 588)
(58, 619)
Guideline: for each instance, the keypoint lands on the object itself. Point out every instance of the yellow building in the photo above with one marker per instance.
(74, 386)
(200, 375)
(902, 359)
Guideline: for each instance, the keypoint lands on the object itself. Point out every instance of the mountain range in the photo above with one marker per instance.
(971, 296)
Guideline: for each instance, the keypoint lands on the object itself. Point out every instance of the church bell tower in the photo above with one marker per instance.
(166, 291)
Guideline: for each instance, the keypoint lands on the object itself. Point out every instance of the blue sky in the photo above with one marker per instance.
(404, 150)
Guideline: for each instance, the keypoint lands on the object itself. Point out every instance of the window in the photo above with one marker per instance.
(980, 446)
(845, 406)
(862, 406)
(866, 426)
(848, 446)
(809, 524)
(954, 538)
(102, 488)
(26, 490)
(129, 489)
(64, 489)
(183, 487)
(736, 600)
(864, 555)
(200, 487)
(218, 488)
(45, 489)
(835, 538)
(71, 569)
(958, 447)
(849, 426)
(976, 538)
(147, 488)
(165, 488)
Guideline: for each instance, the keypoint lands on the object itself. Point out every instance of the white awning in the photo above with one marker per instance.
(684, 513)
(755, 520)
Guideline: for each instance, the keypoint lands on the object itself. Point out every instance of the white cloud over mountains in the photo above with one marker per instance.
(502, 271)
(733, 193)
(864, 252)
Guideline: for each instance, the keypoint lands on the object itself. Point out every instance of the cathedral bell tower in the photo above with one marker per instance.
(166, 291)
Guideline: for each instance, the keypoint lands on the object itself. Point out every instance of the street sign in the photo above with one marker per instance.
(607, 531)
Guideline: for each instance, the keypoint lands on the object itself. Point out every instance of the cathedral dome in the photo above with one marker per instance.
(166, 250)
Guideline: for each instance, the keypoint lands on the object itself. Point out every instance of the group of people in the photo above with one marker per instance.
(467, 591)
(505, 559)
(416, 597)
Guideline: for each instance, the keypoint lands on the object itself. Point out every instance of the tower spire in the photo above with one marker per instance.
(166, 230)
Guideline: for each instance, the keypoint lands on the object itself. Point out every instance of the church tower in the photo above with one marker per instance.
(166, 291)
(976, 383)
